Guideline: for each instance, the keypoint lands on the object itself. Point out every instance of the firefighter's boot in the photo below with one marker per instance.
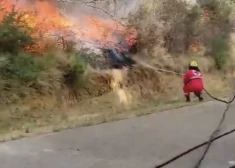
(200, 98)
(187, 98)
(199, 95)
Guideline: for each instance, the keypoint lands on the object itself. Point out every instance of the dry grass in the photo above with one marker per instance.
(109, 95)
(119, 95)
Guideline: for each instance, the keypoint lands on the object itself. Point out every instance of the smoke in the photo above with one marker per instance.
(94, 24)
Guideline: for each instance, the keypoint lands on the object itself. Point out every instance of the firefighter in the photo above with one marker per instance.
(193, 81)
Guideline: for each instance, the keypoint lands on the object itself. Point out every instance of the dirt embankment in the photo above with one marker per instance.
(110, 95)
(118, 94)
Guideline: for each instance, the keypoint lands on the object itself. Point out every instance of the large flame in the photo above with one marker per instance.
(46, 18)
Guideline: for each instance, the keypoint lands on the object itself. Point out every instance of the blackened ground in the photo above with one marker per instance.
(118, 60)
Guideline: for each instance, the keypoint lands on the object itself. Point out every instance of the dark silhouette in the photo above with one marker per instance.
(118, 60)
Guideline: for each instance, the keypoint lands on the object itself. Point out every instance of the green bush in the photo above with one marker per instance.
(221, 59)
(216, 31)
(23, 73)
(220, 51)
(176, 26)
(14, 34)
(74, 74)
(25, 69)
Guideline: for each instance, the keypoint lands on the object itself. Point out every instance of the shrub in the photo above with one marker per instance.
(23, 67)
(177, 26)
(14, 33)
(74, 73)
(23, 72)
(163, 23)
(220, 51)
(216, 30)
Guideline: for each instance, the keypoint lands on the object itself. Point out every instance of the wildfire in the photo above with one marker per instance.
(45, 18)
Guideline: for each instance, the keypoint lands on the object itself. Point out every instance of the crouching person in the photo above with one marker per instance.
(193, 82)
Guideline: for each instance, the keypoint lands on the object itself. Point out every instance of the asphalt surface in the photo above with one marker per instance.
(140, 142)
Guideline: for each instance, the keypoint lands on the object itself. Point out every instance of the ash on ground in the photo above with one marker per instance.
(105, 57)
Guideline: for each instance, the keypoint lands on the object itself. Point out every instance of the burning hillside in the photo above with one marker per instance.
(46, 21)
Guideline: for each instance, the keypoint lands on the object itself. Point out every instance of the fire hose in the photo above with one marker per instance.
(214, 136)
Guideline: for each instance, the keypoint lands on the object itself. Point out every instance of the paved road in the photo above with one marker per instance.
(134, 143)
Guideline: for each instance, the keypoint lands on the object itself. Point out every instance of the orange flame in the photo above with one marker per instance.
(46, 18)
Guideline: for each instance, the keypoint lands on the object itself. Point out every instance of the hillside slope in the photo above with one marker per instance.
(54, 89)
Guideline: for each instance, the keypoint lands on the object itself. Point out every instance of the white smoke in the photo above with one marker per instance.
(76, 10)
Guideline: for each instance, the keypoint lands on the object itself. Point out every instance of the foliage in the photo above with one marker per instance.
(74, 76)
(166, 23)
(217, 29)
(220, 52)
(14, 34)
(177, 25)
(23, 72)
